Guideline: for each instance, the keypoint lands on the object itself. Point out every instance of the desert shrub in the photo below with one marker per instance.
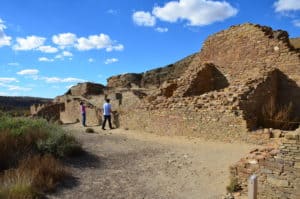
(21, 125)
(89, 130)
(20, 137)
(60, 145)
(34, 176)
(46, 172)
(233, 186)
(17, 184)
(278, 117)
(27, 167)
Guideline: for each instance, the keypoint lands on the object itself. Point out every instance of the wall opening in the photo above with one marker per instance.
(209, 78)
(275, 103)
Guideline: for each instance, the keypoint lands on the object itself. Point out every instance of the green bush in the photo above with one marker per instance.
(233, 186)
(21, 136)
(59, 145)
(89, 130)
(26, 168)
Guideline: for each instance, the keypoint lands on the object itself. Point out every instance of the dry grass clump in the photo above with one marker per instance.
(278, 117)
(233, 186)
(34, 176)
(89, 130)
(28, 156)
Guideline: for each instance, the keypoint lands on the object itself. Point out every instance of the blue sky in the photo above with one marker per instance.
(46, 46)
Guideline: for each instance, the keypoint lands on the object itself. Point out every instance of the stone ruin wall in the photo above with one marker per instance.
(151, 79)
(72, 113)
(256, 51)
(87, 88)
(277, 169)
(254, 61)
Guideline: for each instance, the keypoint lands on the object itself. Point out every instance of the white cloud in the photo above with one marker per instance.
(45, 59)
(196, 12)
(13, 64)
(62, 80)
(67, 54)
(113, 12)
(142, 18)
(29, 43)
(18, 88)
(296, 23)
(4, 39)
(69, 86)
(101, 41)
(160, 29)
(28, 72)
(8, 79)
(4, 94)
(64, 40)
(47, 49)
(118, 47)
(110, 61)
(91, 60)
(64, 54)
(287, 5)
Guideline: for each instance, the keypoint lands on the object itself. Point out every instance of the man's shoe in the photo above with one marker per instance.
(103, 129)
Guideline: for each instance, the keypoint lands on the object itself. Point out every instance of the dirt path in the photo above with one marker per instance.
(134, 165)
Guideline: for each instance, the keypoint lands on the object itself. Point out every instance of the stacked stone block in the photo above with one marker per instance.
(277, 168)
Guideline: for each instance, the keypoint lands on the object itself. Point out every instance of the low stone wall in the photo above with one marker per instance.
(72, 114)
(51, 111)
(278, 169)
(204, 123)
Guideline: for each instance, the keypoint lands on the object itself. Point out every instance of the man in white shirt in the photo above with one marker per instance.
(107, 114)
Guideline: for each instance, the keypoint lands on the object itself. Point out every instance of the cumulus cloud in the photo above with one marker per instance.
(62, 80)
(64, 40)
(29, 43)
(111, 60)
(47, 49)
(287, 5)
(28, 72)
(45, 59)
(8, 79)
(160, 29)
(101, 41)
(196, 12)
(142, 18)
(4, 39)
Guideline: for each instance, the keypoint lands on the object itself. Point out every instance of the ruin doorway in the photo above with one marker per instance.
(275, 103)
(207, 79)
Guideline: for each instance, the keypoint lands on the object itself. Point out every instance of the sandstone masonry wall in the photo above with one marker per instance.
(278, 170)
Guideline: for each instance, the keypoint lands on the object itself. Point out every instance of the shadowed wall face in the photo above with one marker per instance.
(207, 79)
(273, 104)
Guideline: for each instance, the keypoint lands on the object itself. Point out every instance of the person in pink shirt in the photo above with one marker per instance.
(83, 113)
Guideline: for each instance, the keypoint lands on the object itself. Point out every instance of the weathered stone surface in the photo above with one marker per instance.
(85, 89)
(277, 183)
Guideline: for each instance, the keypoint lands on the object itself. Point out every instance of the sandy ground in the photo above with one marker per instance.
(135, 165)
